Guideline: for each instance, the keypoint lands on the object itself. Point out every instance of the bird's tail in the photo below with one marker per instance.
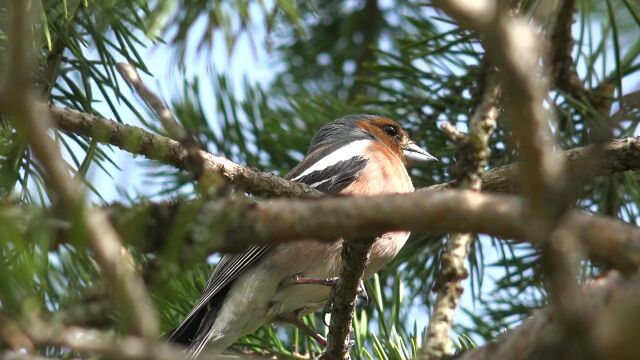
(195, 331)
(185, 333)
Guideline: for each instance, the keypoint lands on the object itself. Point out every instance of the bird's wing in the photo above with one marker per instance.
(331, 179)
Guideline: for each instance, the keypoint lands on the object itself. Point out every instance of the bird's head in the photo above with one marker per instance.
(370, 127)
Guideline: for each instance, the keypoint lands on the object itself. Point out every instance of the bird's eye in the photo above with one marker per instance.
(391, 130)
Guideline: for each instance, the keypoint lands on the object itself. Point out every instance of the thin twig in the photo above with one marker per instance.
(129, 291)
(169, 122)
(620, 155)
(194, 157)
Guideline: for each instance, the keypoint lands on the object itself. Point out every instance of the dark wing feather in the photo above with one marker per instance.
(337, 177)
(330, 180)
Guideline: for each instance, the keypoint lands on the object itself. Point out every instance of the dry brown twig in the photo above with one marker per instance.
(169, 122)
(195, 159)
(129, 292)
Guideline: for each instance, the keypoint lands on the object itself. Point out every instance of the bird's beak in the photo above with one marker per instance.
(415, 153)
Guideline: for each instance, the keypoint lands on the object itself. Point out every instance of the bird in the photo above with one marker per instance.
(355, 155)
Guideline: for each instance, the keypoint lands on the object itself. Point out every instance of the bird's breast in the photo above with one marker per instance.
(385, 173)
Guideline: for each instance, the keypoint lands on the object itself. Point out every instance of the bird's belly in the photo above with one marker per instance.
(313, 260)
(384, 249)
(295, 299)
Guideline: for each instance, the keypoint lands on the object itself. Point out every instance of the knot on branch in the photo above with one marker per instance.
(452, 270)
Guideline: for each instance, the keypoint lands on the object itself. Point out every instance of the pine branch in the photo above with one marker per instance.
(194, 158)
(17, 355)
(129, 291)
(514, 46)
(12, 337)
(169, 122)
(232, 224)
(619, 156)
(355, 253)
(92, 341)
(156, 147)
(474, 152)
(563, 73)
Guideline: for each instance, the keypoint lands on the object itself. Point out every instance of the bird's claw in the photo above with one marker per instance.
(328, 306)
(362, 298)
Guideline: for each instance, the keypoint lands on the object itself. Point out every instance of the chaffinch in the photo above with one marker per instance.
(354, 155)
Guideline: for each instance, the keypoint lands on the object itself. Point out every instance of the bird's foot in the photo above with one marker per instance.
(298, 279)
(362, 298)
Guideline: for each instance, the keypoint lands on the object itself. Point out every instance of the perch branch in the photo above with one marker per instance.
(232, 224)
(354, 257)
(156, 147)
(619, 155)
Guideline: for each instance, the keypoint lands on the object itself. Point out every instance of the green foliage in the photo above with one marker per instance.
(333, 58)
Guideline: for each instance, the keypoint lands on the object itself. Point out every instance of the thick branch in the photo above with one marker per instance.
(232, 224)
(91, 341)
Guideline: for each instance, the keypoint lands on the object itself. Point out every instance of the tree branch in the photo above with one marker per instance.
(354, 257)
(611, 307)
(619, 155)
(473, 154)
(563, 75)
(232, 224)
(514, 46)
(156, 147)
(97, 342)
(116, 264)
